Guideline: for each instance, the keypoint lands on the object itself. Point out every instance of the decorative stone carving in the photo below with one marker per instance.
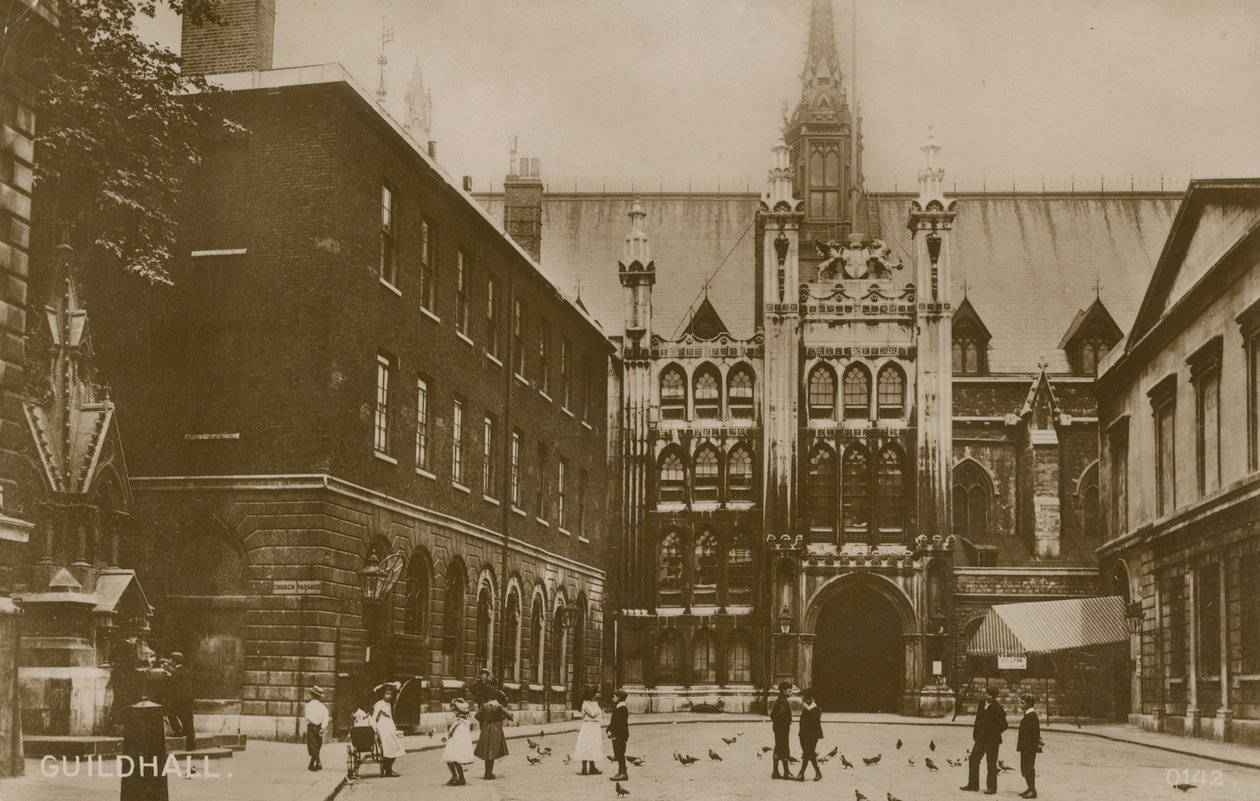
(857, 259)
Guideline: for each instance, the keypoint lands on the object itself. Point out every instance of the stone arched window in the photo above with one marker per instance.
(703, 658)
(891, 394)
(485, 628)
(820, 488)
(968, 355)
(669, 657)
(708, 393)
(739, 474)
(857, 392)
(673, 393)
(672, 485)
(416, 617)
(511, 668)
(891, 485)
(822, 393)
(740, 386)
(537, 633)
(739, 660)
(739, 569)
(704, 584)
(453, 618)
(669, 567)
(706, 474)
(972, 497)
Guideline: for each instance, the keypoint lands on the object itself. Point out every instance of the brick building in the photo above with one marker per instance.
(355, 371)
(818, 383)
(1179, 410)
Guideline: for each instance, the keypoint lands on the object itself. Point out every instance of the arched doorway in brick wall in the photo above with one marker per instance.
(859, 652)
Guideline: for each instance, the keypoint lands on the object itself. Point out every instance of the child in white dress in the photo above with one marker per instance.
(459, 747)
(590, 741)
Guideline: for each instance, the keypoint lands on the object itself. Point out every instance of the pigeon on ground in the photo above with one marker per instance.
(541, 733)
(873, 760)
(822, 760)
(729, 740)
(1003, 767)
(678, 756)
(765, 749)
(636, 761)
(930, 765)
(910, 762)
(792, 760)
(611, 758)
(532, 745)
(544, 751)
(898, 748)
(621, 790)
(833, 752)
(568, 758)
(1185, 788)
(714, 755)
(688, 759)
(533, 760)
(932, 745)
(858, 795)
(844, 761)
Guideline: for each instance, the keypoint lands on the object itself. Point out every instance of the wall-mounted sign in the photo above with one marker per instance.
(1012, 663)
(298, 587)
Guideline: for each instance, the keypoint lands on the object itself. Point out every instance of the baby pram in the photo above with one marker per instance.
(364, 746)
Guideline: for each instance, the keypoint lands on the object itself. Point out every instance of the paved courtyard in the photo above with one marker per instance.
(1073, 766)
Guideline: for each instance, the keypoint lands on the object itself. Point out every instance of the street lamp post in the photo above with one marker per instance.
(376, 579)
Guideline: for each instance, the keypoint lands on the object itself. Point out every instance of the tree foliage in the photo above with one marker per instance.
(119, 127)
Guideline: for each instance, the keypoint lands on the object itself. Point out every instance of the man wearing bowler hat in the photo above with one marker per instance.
(316, 726)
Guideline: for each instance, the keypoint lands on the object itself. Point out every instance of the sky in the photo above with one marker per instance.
(679, 94)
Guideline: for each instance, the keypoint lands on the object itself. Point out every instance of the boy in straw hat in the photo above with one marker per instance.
(316, 726)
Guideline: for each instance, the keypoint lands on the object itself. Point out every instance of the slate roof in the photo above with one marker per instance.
(1029, 260)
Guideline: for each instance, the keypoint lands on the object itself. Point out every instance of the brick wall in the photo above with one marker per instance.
(242, 40)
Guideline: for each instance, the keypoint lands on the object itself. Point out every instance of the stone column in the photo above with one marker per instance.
(1225, 714)
(1192, 659)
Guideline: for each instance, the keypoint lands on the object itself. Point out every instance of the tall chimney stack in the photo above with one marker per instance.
(242, 41)
(522, 203)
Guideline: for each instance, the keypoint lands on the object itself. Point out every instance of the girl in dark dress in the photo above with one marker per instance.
(810, 734)
(492, 745)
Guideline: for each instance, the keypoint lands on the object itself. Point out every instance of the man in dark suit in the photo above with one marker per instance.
(986, 735)
(781, 722)
(1029, 745)
(619, 731)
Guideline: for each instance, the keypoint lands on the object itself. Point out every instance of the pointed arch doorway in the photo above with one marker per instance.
(859, 652)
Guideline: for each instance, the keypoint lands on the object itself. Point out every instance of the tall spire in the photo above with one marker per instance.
(419, 106)
(822, 78)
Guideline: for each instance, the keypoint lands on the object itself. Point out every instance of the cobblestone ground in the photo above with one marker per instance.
(1073, 767)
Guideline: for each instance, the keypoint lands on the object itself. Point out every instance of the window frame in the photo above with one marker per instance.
(388, 268)
(489, 472)
(381, 416)
(424, 425)
(514, 486)
(457, 440)
(428, 265)
(493, 291)
(462, 303)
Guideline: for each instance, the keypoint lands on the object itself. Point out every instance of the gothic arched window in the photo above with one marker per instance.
(820, 489)
(1090, 522)
(703, 658)
(708, 393)
(673, 393)
(856, 488)
(669, 567)
(537, 634)
(739, 474)
(972, 492)
(739, 393)
(669, 657)
(511, 668)
(822, 393)
(705, 477)
(891, 479)
(704, 587)
(485, 616)
(739, 570)
(739, 657)
(857, 393)
(968, 355)
(417, 616)
(892, 392)
(673, 476)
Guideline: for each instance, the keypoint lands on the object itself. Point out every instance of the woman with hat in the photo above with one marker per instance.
(459, 748)
(492, 745)
(590, 741)
(386, 731)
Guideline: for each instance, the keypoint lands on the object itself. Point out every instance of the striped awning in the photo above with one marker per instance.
(1047, 627)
